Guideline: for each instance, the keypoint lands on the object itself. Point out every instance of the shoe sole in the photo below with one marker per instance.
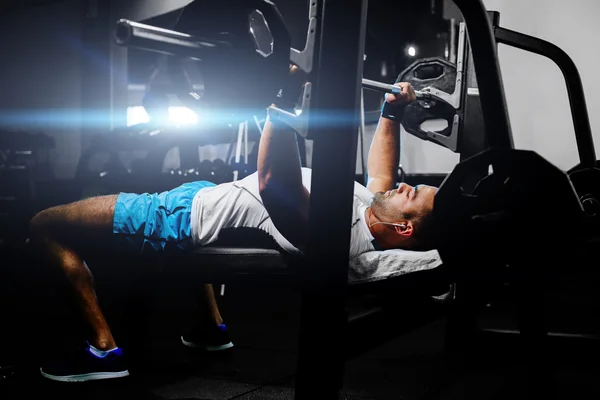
(205, 347)
(94, 376)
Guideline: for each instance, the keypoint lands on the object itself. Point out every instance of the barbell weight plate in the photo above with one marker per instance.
(512, 205)
(241, 80)
(429, 72)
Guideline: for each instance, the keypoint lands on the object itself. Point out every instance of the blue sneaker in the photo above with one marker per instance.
(213, 338)
(85, 366)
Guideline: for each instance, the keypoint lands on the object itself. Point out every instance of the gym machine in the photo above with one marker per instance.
(473, 224)
(100, 168)
(465, 131)
(433, 92)
(24, 163)
(471, 138)
(585, 176)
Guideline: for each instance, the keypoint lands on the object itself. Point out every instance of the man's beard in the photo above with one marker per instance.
(382, 207)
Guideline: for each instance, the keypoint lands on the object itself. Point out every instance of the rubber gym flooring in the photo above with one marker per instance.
(263, 324)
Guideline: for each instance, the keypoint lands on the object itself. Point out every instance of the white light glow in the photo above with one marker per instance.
(182, 116)
(137, 115)
(412, 51)
(177, 116)
(383, 69)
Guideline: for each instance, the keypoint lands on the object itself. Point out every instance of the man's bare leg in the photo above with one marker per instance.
(62, 234)
(208, 307)
(208, 332)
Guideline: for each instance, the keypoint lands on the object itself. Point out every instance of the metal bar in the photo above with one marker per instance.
(472, 138)
(325, 275)
(483, 45)
(431, 93)
(165, 41)
(589, 336)
(380, 87)
(452, 39)
(151, 38)
(388, 88)
(98, 86)
(579, 111)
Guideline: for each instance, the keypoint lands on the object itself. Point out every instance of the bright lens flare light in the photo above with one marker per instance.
(177, 116)
(412, 51)
(182, 116)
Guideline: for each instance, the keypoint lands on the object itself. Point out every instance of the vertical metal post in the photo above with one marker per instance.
(472, 138)
(489, 78)
(103, 72)
(338, 83)
(119, 77)
(452, 39)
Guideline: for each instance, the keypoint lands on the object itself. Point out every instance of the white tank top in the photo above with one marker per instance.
(239, 205)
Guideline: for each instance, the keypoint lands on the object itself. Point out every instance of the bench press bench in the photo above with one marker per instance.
(417, 281)
(244, 255)
(417, 277)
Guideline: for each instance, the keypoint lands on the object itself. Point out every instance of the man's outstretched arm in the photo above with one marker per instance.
(280, 181)
(384, 153)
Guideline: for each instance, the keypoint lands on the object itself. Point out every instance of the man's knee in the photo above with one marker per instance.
(42, 223)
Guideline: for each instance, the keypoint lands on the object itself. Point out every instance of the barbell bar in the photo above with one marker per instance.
(166, 41)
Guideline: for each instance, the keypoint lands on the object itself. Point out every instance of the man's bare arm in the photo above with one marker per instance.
(280, 181)
(384, 153)
(383, 160)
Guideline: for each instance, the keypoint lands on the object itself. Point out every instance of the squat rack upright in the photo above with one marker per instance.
(339, 51)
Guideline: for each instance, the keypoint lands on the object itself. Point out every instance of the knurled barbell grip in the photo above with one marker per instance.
(387, 88)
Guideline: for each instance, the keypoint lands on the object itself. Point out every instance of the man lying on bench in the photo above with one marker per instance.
(275, 199)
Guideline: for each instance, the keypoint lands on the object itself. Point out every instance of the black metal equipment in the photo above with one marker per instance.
(498, 138)
(585, 176)
(243, 51)
(337, 91)
(504, 220)
(445, 78)
(100, 170)
(517, 185)
(331, 90)
(440, 91)
(581, 121)
(473, 137)
(438, 87)
(24, 162)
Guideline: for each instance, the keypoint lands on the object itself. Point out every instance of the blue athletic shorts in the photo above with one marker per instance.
(156, 222)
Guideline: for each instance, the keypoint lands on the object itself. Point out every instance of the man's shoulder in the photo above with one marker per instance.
(362, 192)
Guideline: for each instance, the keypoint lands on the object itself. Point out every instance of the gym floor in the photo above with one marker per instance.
(263, 325)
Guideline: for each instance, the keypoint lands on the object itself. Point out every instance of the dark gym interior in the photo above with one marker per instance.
(510, 310)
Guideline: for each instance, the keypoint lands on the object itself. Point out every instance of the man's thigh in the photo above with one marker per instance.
(82, 224)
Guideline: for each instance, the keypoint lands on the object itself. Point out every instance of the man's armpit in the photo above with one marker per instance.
(376, 184)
